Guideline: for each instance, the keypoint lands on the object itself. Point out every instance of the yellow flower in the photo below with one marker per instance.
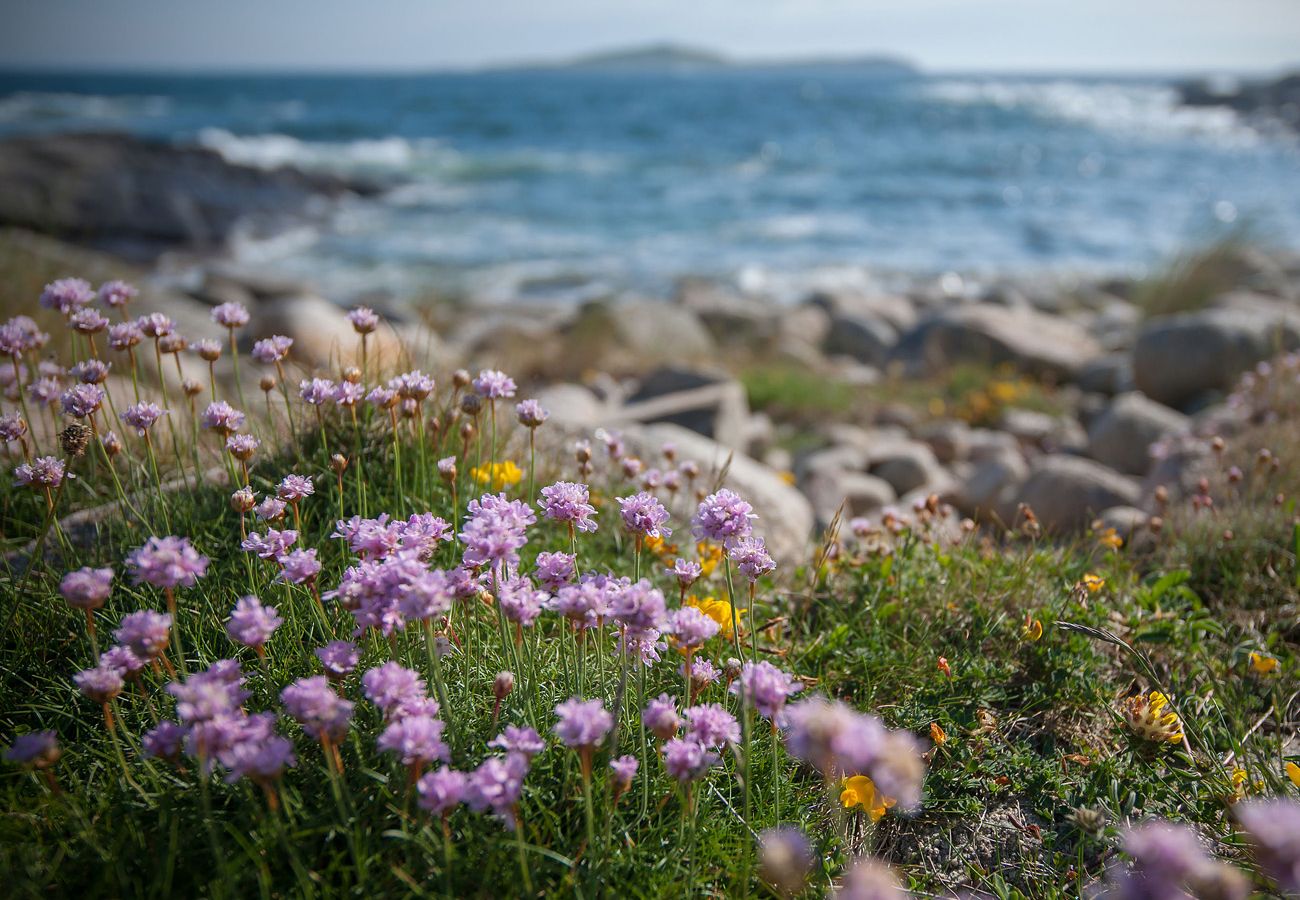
(1004, 391)
(717, 610)
(1032, 630)
(938, 735)
(710, 556)
(1092, 583)
(1263, 665)
(787, 476)
(660, 547)
(859, 790)
(497, 476)
(1150, 718)
(1293, 772)
(1110, 539)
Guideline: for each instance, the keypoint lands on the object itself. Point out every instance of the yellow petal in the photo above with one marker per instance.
(1293, 772)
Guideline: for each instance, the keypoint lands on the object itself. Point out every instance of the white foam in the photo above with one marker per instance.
(37, 106)
(269, 151)
(1146, 108)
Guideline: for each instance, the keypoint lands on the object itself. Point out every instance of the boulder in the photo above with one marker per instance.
(948, 438)
(1122, 436)
(1067, 492)
(1111, 374)
(708, 403)
(989, 490)
(323, 336)
(891, 309)
(907, 467)
(785, 517)
(139, 198)
(859, 492)
(573, 405)
(729, 317)
(1043, 431)
(863, 338)
(1037, 344)
(633, 336)
(1177, 359)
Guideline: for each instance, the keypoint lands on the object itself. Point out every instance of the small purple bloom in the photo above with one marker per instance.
(82, 400)
(42, 472)
(583, 723)
(270, 351)
(442, 791)
(338, 658)
(711, 725)
(294, 488)
(723, 517)
(687, 760)
(389, 685)
(251, 623)
(416, 739)
(146, 632)
(230, 315)
(687, 572)
(117, 293)
(221, 416)
(766, 688)
(67, 295)
(164, 740)
(142, 416)
(364, 319)
(531, 414)
(554, 570)
(299, 567)
(622, 771)
(87, 588)
(317, 391)
(516, 739)
(38, 749)
(643, 514)
(322, 713)
(569, 502)
(639, 606)
(100, 684)
(751, 557)
(660, 717)
(690, 628)
(166, 562)
(494, 384)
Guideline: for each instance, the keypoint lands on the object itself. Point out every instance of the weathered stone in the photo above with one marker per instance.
(323, 336)
(631, 336)
(708, 403)
(948, 438)
(866, 339)
(1178, 358)
(989, 491)
(730, 318)
(892, 309)
(1122, 436)
(1037, 344)
(785, 518)
(859, 492)
(907, 467)
(573, 404)
(1111, 374)
(1043, 431)
(1066, 492)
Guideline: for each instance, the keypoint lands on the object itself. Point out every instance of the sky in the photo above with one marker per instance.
(1247, 36)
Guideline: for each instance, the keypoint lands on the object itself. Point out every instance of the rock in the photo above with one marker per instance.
(839, 458)
(139, 198)
(989, 491)
(708, 403)
(1126, 520)
(1043, 431)
(948, 438)
(1122, 436)
(632, 336)
(573, 405)
(1179, 358)
(323, 336)
(1066, 492)
(1111, 374)
(730, 318)
(907, 467)
(1037, 344)
(1278, 98)
(860, 493)
(803, 325)
(785, 517)
(864, 338)
(989, 443)
(896, 311)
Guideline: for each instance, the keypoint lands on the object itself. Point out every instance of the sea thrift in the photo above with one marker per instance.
(87, 588)
(146, 632)
(251, 623)
(766, 688)
(660, 717)
(751, 557)
(230, 315)
(221, 417)
(582, 723)
(569, 502)
(167, 562)
(142, 416)
(494, 385)
(723, 517)
(644, 515)
(338, 658)
(687, 760)
(442, 791)
(322, 713)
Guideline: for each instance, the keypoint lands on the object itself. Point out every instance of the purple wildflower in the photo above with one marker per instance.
(751, 557)
(522, 740)
(723, 517)
(442, 791)
(687, 760)
(88, 321)
(702, 672)
(389, 685)
(124, 335)
(166, 562)
(583, 723)
(91, 371)
(258, 755)
(270, 510)
(766, 688)
(146, 632)
(1273, 827)
(494, 384)
(294, 488)
(623, 771)
(67, 295)
(710, 725)
(568, 501)
(37, 749)
(639, 606)
(230, 315)
(222, 417)
(416, 739)
(786, 858)
(142, 416)
(322, 713)
(520, 601)
(299, 567)
(122, 660)
(42, 472)
(644, 515)
(531, 414)
(117, 293)
(364, 319)
(690, 628)
(496, 785)
(270, 351)
(660, 717)
(87, 588)
(687, 572)
(338, 658)
(242, 446)
(317, 391)
(251, 623)
(100, 684)
(274, 545)
(554, 570)
(82, 400)
(155, 325)
(164, 740)
(425, 596)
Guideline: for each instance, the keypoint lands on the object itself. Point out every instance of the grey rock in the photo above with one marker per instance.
(859, 492)
(1043, 431)
(785, 517)
(863, 338)
(140, 198)
(989, 443)
(892, 309)
(1177, 359)
(708, 403)
(1041, 345)
(1111, 374)
(634, 335)
(1122, 436)
(573, 404)
(990, 490)
(908, 467)
(322, 334)
(1066, 492)
(729, 317)
(948, 438)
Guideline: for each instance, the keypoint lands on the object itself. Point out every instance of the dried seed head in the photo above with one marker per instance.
(1155, 524)
(1162, 494)
(74, 439)
(460, 378)
(1217, 444)
(471, 404)
(339, 463)
(467, 431)
(352, 375)
(191, 387)
(267, 383)
(209, 351)
(1090, 820)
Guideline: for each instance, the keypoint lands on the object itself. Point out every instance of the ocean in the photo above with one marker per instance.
(561, 185)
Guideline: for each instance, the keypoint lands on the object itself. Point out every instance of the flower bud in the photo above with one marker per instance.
(112, 443)
(172, 343)
(467, 431)
(339, 463)
(267, 383)
(191, 387)
(503, 685)
(460, 378)
(243, 500)
(471, 404)
(352, 375)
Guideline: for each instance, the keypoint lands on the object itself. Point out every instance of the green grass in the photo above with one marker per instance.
(1032, 734)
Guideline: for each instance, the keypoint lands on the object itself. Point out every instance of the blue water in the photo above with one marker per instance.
(565, 184)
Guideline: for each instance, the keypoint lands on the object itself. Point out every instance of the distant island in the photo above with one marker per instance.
(668, 57)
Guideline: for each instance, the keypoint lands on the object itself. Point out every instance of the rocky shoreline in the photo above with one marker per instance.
(1127, 388)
